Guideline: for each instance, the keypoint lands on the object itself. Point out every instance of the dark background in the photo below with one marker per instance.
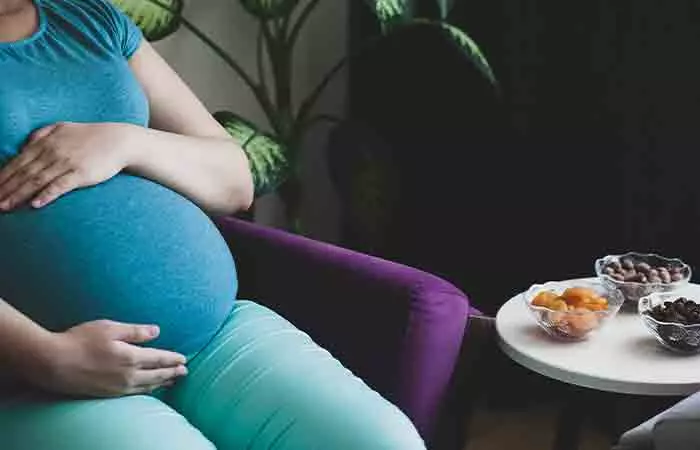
(589, 149)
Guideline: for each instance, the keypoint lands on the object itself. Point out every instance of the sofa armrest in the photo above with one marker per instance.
(398, 328)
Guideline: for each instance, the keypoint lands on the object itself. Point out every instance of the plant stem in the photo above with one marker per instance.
(321, 118)
(308, 104)
(271, 45)
(284, 91)
(285, 25)
(279, 28)
(262, 78)
(303, 16)
(261, 96)
(280, 61)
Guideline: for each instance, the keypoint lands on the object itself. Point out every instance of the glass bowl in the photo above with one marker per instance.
(632, 291)
(676, 336)
(572, 325)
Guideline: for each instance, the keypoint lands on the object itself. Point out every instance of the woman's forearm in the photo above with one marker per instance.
(211, 171)
(99, 358)
(22, 341)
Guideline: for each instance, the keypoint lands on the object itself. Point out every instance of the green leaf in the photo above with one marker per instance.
(269, 9)
(268, 158)
(445, 7)
(460, 39)
(391, 12)
(156, 18)
(469, 47)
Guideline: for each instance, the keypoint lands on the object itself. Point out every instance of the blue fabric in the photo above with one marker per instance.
(260, 384)
(73, 69)
(130, 249)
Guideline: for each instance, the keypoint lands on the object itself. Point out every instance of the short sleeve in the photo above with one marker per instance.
(128, 32)
(123, 35)
(132, 38)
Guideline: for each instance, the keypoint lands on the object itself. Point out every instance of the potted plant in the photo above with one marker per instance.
(274, 154)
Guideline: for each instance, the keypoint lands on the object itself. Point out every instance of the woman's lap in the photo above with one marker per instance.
(260, 384)
(37, 422)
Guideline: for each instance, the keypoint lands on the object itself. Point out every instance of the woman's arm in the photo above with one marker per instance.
(22, 342)
(186, 148)
(94, 359)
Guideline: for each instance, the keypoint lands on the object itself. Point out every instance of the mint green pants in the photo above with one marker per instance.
(261, 384)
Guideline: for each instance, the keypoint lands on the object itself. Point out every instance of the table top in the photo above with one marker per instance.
(623, 356)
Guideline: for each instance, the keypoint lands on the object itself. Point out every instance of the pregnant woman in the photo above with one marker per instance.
(118, 325)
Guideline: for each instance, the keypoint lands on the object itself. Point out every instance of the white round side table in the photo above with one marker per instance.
(623, 357)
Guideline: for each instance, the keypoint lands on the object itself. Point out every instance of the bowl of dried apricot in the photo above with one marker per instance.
(572, 310)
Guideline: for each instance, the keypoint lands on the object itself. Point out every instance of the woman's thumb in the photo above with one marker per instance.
(135, 334)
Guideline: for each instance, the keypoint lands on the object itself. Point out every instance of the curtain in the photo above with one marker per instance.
(601, 102)
(611, 81)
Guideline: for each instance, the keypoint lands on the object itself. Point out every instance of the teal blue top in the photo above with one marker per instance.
(73, 68)
(128, 249)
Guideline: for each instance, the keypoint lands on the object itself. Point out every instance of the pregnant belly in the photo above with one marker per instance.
(128, 250)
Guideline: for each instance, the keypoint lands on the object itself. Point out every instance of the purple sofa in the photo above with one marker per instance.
(398, 328)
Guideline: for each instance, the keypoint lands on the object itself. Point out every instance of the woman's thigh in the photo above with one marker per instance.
(37, 422)
(262, 384)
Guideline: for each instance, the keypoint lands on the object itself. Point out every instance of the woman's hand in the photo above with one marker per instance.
(99, 359)
(60, 158)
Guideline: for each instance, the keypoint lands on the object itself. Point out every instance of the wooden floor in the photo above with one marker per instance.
(529, 428)
(517, 409)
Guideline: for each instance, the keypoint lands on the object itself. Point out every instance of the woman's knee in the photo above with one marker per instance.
(129, 423)
(262, 383)
(365, 422)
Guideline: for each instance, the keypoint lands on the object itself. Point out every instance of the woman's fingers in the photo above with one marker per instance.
(28, 153)
(41, 133)
(149, 389)
(9, 170)
(30, 180)
(61, 185)
(156, 369)
(148, 380)
(151, 358)
(27, 181)
(145, 390)
(127, 332)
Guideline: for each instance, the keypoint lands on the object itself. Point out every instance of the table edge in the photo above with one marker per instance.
(597, 383)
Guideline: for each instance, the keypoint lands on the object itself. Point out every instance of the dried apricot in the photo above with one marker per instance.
(559, 305)
(555, 318)
(578, 295)
(582, 321)
(600, 301)
(544, 298)
(596, 307)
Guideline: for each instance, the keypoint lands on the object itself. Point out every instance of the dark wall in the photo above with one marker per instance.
(591, 149)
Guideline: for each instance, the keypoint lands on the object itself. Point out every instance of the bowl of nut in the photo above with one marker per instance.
(637, 275)
(673, 319)
(572, 310)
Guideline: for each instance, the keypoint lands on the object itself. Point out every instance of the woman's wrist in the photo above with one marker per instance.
(37, 355)
(130, 138)
(143, 150)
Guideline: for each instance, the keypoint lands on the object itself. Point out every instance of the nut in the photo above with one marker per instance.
(638, 271)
